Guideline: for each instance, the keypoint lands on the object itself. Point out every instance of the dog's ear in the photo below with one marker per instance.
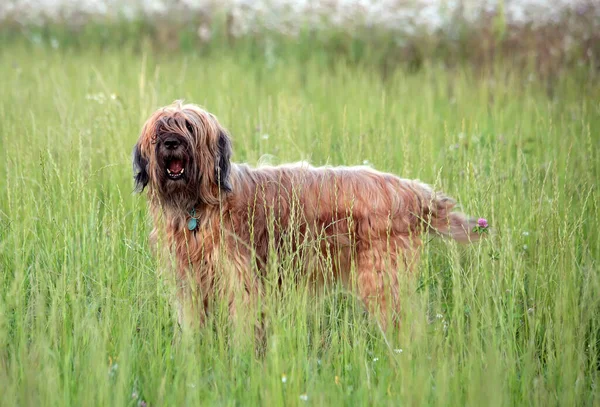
(222, 161)
(140, 170)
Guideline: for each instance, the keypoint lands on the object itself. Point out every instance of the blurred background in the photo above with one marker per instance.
(544, 35)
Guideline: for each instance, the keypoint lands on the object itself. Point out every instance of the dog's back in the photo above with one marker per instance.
(339, 207)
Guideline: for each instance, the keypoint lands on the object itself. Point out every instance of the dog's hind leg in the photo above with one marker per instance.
(379, 266)
(377, 280)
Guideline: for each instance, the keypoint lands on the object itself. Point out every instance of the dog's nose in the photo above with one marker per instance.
(171, 143)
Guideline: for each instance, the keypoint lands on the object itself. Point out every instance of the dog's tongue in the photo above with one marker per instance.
(175, 166)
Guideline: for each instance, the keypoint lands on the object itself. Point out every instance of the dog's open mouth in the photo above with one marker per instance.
(175, 169)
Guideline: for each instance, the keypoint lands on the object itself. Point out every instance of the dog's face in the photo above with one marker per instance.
(183, 156)
(174, 155)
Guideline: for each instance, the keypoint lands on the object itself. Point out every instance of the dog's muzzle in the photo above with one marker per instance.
(175, 168)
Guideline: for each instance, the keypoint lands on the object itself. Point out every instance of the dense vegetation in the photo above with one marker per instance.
(85, 319)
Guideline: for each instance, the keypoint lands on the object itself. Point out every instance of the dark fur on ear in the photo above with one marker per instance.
(140, 170)
(223, 165)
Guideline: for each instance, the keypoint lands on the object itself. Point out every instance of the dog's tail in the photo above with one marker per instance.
(438, 218)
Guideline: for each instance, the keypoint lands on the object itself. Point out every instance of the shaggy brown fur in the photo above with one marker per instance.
(332, 220)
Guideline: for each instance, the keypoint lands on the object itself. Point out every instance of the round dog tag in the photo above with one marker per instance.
(192, 224)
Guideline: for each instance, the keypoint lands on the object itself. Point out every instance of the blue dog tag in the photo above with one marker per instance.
(192, 224)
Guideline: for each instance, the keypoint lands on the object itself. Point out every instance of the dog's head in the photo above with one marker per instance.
(183, 156)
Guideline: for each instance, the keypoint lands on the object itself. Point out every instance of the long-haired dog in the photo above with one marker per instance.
(223, 221)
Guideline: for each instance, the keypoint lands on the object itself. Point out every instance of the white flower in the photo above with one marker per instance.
(283, 378)
(375, 359)
(96, 97)
(204, 33)
(112, 370)
(526, 233)
(289, 16)
(304, 397)
(398, 350)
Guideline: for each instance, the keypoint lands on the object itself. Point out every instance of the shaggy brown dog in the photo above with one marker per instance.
(223, 222)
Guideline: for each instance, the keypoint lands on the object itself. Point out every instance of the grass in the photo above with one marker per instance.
(86, 320)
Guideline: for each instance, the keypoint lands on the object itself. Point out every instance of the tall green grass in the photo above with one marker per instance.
(85, 319)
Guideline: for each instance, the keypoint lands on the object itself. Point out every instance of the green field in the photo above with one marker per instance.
(86, 320)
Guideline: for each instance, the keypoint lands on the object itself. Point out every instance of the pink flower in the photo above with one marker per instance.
(482, 223)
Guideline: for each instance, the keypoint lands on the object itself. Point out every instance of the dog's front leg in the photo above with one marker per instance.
(191, 304)
(244, 293)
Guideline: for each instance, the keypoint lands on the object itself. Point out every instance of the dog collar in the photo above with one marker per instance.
(193, 222)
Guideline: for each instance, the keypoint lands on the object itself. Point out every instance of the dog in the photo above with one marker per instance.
(222, 222)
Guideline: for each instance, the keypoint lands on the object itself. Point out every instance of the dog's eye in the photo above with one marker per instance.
(189, 127)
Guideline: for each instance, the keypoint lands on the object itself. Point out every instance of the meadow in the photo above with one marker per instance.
(85, 319)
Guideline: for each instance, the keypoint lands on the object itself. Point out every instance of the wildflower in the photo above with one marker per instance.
(204, 33)
(142, 403)
(526, 233)
(112, 367)
(96, 97)
(265, 136)
(375, 359)
(134, 395)
(482, 226)
(439, 316)
(283, 378)
(112, 370)
(398, 350)
(337, 380)
(304, 397)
